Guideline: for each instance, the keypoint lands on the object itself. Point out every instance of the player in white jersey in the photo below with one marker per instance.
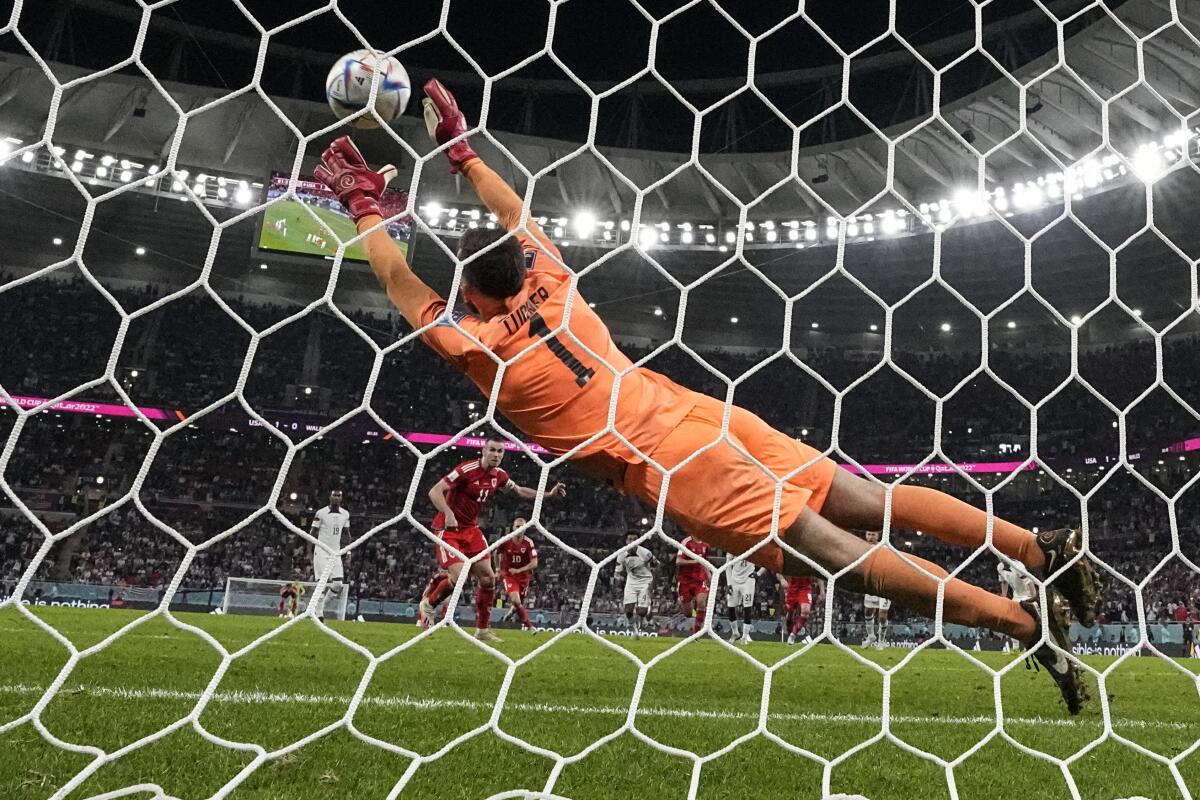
(739, 575)
(329, 526)
(875, 611)
(635, 563)
(1018, 584)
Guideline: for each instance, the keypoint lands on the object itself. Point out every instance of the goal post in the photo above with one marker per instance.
(260, 596)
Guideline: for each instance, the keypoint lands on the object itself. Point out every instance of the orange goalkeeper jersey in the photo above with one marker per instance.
(557, 392)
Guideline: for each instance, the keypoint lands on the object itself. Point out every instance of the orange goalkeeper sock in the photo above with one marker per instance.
(952, 520)
(887, 575)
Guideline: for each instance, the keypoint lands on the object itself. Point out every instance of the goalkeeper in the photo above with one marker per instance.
(562, 369)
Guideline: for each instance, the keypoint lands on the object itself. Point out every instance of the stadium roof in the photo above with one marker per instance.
(840, 162)
(123, 115)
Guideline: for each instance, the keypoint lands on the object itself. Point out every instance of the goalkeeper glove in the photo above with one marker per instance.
(357, 186)
(445, 121)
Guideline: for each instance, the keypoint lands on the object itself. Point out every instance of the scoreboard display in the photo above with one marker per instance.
(312, 222)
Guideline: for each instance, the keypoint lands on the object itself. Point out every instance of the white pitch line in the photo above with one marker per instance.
(431, 704)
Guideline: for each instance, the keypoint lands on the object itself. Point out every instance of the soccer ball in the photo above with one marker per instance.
(348, 87)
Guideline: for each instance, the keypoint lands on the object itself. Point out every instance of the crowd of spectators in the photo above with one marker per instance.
(219, 472)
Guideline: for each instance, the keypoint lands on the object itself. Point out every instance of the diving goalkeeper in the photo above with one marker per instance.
(522, 302)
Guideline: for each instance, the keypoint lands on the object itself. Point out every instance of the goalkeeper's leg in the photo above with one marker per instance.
(858, 504)
(886, 574)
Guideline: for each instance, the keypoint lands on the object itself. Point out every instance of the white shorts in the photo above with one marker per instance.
(321, 560)
(871, 601)
(741, 594)
(637, 593)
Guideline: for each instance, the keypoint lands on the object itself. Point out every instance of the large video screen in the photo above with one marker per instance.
(288, 228)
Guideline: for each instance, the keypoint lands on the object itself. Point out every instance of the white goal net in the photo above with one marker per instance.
(1136, 132)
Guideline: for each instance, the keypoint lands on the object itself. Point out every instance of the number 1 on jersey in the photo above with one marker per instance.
(539, 328)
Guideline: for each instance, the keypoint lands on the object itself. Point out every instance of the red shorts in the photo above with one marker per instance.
(468, 541)
(516, 584)
(688, 590)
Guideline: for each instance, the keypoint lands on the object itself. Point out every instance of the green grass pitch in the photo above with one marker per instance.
(299, 226)
(701, 698)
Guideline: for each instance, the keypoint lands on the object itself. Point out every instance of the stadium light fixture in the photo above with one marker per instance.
(815, 325)
(734, 320)
(27, 156)
(141, 251)
(1137, 312)
(945, 327)
(810, 234)
(308, 390)
(101, 172)
(710, 238)
(100, 479)
(1011, 324)
(793, 235)
(558, 232)
(1076, 319)
(772, 235)
(242, 196)
(262, 266)
(647, 238)
(5, 148)
(133, 373)
(591, 305)
(686, 237)
(585, 224)
(730, 237)
(658, 312)
(76, 166)
(126, 176)
(874, 327)
(1148, 163)
(57, 241)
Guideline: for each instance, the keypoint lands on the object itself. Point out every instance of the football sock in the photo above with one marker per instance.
(952, 520)
(524, 615)
(888, 575)
(484, 599)
(439, 591)
(699, 623)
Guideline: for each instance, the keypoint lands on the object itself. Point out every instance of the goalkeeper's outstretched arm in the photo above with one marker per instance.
(446, 123)
(358, 187)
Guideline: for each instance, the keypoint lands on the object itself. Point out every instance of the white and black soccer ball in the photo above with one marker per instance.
(348, 87)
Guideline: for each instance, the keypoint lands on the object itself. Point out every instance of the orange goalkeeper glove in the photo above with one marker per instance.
(445, 121)
(357, 186)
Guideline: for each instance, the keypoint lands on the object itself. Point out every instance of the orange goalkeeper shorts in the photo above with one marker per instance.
(722, 497)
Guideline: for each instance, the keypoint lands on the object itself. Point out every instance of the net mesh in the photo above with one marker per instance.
(310, 144)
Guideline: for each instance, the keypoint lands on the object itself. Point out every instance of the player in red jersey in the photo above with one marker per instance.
(797, 605)
(517, 558)
(458, 498)
(692, 576)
